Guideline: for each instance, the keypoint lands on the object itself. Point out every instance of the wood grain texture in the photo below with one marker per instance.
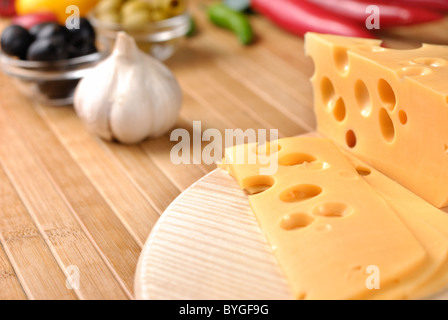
(41, 277)
(69, 198)
(214, 250)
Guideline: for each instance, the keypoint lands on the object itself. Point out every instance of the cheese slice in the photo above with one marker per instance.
(328, 228)
(427, 222)
(388, 107)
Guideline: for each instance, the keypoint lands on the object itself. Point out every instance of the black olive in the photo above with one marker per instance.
(16, 40)
(81, 48)
(47, 49)
(85, 32)
(49, 30)
(36, 29)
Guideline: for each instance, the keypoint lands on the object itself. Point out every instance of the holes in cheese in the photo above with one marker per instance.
(413, 71)
(339, 111)
(363, 98)
(328, 210)
(403, 117)
(257, 184)
(300, 192)
(333, 210)
(370, 48)
(363, 171)
(386, 94)
(304, 160)
(293, 159)
(295, 221)
(430, 62)
(327, 92)
(317, 165)
(350, 138)
(267, 148)
(341, 59)
(386, 125)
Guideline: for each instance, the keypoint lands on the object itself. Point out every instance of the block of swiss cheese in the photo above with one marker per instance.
(388, 107)
(327, 226)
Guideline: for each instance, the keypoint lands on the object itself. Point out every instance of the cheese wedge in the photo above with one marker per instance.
(388, 107)
(328, 228)
(428, 223)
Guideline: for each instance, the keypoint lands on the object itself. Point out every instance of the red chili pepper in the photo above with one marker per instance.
(426, 4)
(389, 15)
(299, 17)
(7, 8)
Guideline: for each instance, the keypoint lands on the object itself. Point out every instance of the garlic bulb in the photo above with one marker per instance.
(130, 96)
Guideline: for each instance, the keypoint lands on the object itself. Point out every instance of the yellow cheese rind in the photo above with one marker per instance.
(388, 107)
(326, 225)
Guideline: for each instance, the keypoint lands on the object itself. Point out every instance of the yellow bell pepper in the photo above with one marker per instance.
(58, 7)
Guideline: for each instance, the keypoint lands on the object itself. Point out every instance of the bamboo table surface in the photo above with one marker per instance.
(73, 203)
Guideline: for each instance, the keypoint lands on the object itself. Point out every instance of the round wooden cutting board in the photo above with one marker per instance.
(208, 245)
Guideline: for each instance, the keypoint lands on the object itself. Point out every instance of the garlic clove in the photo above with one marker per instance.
(130, 96)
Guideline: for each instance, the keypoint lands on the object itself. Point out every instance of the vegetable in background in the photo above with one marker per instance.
(129, 96)
(390, 15)
(136, 14)
(224, 17)
(49, 41)
(7, 8)
(58, 7)
(15, 41)
(193, 28)
(300, 16)
(425, 4)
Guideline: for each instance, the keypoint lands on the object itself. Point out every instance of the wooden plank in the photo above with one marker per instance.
(65, 236)
(39, 273)
(203, 88)
(152, 182)
(286, 47)
(182, 175)
(9, 283)
(112, 185)
(286, 89)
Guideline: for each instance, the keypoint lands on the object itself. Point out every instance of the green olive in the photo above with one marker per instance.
(134, 6)
(108, 6)
(173, 7)
(157, 15)
(136, 20)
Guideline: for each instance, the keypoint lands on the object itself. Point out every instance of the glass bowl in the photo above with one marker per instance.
(161, 39)
(51, 83)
